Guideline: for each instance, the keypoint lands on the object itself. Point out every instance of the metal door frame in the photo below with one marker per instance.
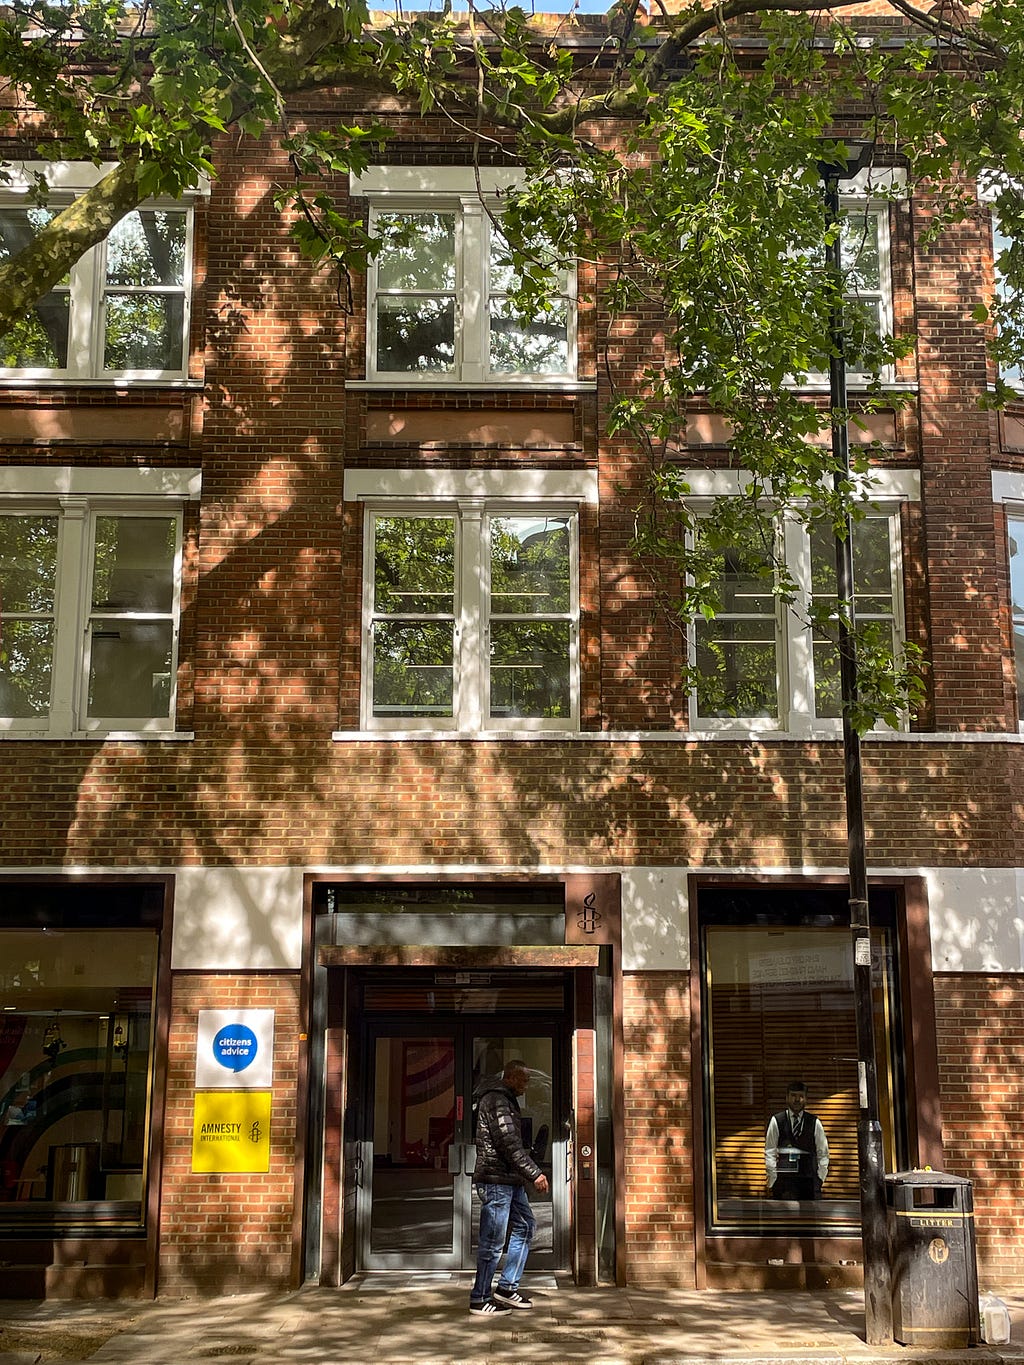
(462, 1028)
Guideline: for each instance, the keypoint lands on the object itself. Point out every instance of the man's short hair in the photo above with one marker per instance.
(511, 1068)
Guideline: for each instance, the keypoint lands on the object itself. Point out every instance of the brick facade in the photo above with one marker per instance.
(659, 1130)
(223, 1234)
(980, 1021)
(270, 664)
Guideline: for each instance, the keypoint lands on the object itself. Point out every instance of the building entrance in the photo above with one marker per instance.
(405, 1044)
(416, 1207)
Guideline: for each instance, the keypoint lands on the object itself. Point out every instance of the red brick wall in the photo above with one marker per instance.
(957, 443)
(659, 1128)
(226, 1234)
(270, 652)
(980, 1024)
(284, 799)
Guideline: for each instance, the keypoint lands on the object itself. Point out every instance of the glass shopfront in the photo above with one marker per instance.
(778, 1007)
(76, 1046)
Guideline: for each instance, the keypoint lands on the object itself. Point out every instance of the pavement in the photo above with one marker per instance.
(396, 1319)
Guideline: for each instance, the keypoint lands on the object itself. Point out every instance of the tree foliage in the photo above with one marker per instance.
(684, 153)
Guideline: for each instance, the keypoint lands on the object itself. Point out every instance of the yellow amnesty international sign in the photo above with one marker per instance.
(231, 1131)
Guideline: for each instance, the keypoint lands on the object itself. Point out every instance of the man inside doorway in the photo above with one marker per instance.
(795, 1149)
(503, 1169)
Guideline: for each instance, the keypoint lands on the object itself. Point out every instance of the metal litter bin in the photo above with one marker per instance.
(934, 1263)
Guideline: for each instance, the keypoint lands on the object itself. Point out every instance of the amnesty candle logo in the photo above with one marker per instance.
(231, 1131)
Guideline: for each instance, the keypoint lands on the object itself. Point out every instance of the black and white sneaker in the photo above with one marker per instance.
(511, 1298)
(489, 1307)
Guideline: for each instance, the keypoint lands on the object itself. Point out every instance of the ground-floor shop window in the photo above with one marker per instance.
(76, 1045)
(780, 1055)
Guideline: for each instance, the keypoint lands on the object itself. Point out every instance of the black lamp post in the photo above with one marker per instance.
(870, 1159)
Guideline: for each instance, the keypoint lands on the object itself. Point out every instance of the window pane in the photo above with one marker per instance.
(742, 589)
(413, 668)
(415, 335)
(504, 278)
(872, 564)
(28, 563)
(418, 252)
(1018, 650)
(40, 339)
(828, 693)
(144, 332)
(873, 578)
(529, 565)
(1000, 243)
(147, 247)
(737, 667)
(860, 251)
(1016, 529)
(133, 568)
(28, 570)
(530, 669)
(537, 346)
(74, 1070)
(130, 668)
(863, 320)
(26, 660)
(414, 565)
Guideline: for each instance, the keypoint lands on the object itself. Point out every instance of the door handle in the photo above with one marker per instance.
(455, 1158)
(470, 1158)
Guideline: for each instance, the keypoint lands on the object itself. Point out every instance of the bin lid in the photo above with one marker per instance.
(927, 1178)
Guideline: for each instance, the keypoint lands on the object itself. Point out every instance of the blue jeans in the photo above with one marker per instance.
(504, 1206)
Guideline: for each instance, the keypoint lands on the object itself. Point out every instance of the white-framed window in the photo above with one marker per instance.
(122, 312)
(865, 255)
(471, 604)
(90, 587)
(438, 303)
(865, 258)
(1015, 537)
(1011, 374)
(760, 664)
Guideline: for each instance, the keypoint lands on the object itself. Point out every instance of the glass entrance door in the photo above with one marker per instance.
(489, 1055)
(415, 1203)
(412, 1193)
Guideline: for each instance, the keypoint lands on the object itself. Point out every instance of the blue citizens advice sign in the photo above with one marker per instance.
(235, 1047)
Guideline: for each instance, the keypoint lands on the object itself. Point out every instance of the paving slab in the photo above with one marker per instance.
(403, 1320)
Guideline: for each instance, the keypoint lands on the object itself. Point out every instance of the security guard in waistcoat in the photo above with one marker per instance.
(795, 1149)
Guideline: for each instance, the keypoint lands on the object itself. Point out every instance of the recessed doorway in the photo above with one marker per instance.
(416, 1208)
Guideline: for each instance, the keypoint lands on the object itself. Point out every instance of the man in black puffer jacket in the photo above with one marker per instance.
(503, 1168)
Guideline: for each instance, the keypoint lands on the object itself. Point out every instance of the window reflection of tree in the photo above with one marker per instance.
(530, 577)
(146, 251)
(416, 303)
(41, 338)
(416, 285)
(532, 342)
(28, 572)
(876, 603)
(414, 577)
(736, 651)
